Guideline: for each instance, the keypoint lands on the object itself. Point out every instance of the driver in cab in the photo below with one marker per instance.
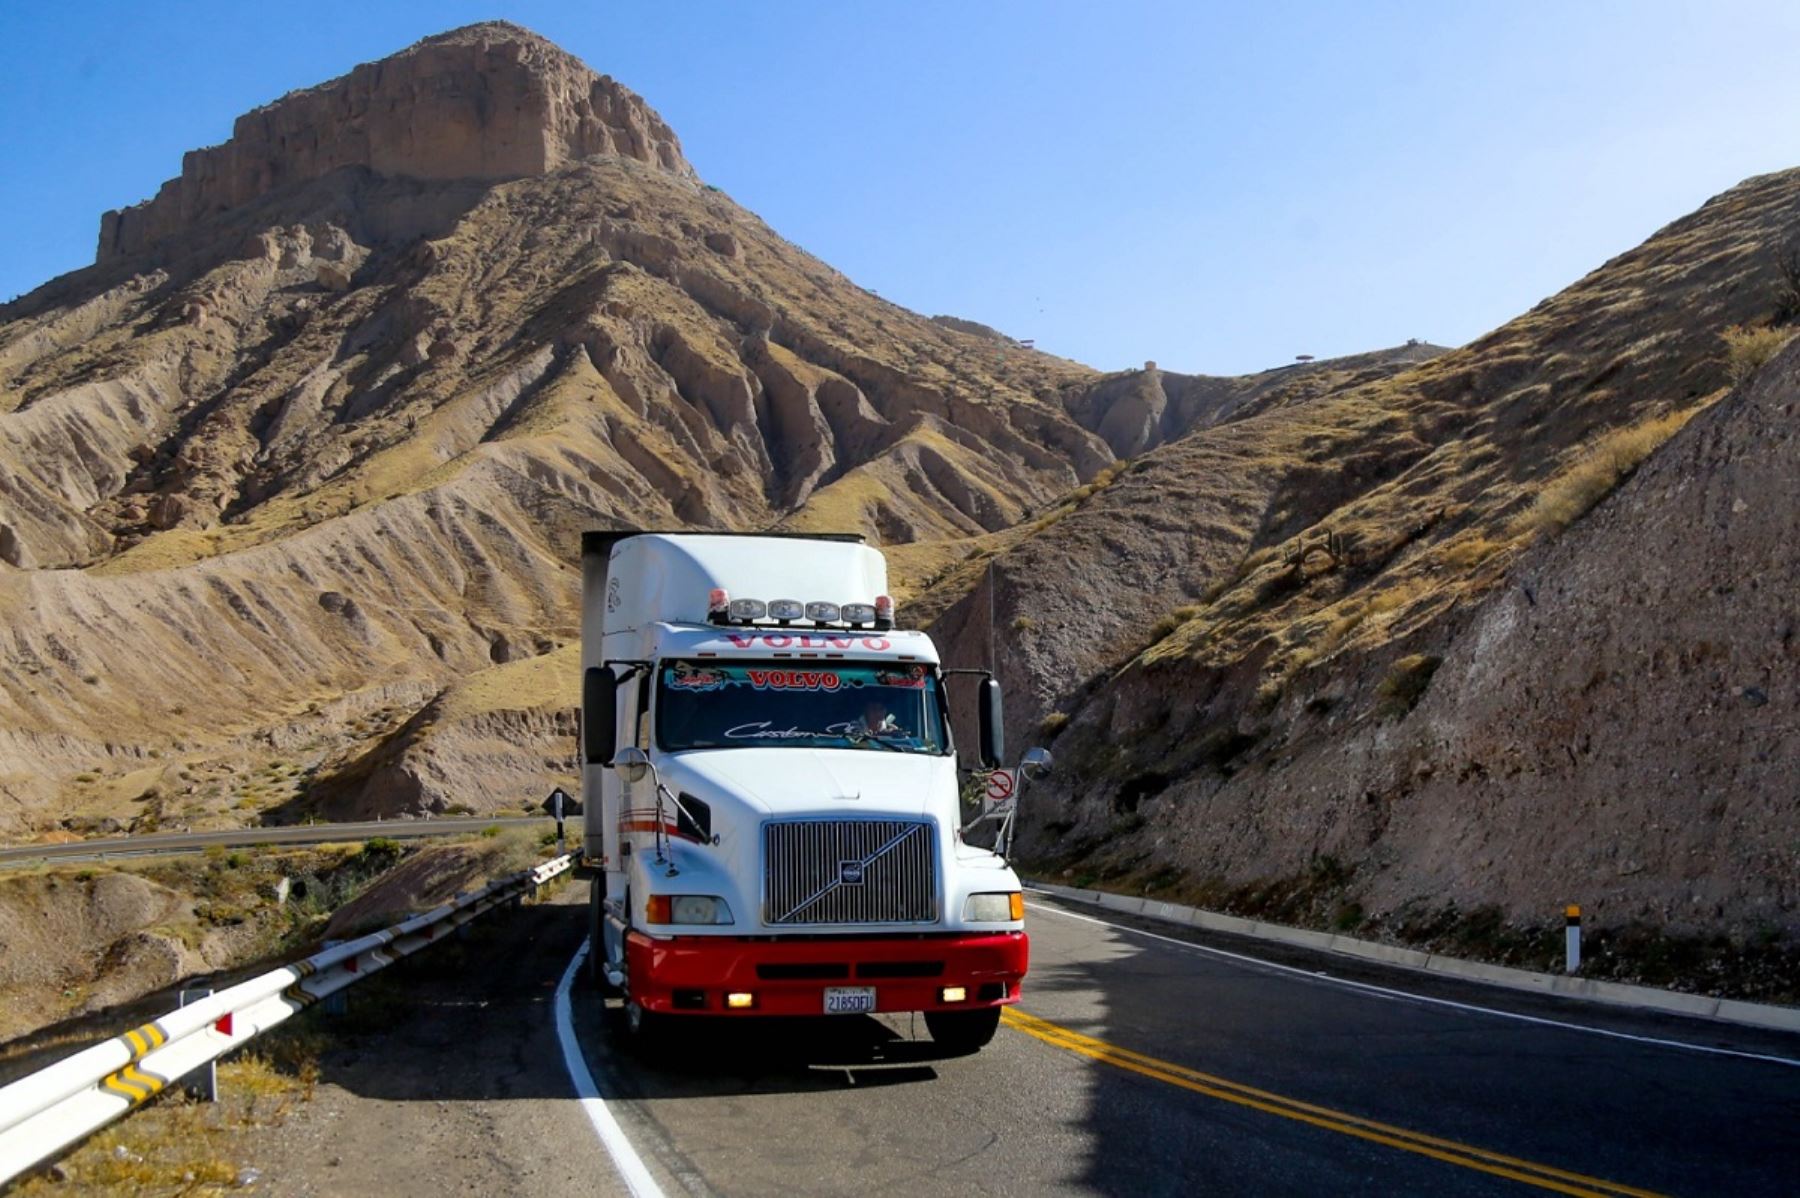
(875, 720)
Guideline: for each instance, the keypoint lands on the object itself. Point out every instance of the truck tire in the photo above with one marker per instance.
(960, 1033)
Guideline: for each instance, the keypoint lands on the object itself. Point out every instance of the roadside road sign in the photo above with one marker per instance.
(560, 804)
(1002, 790)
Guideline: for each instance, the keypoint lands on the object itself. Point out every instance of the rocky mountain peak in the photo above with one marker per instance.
(489, 101)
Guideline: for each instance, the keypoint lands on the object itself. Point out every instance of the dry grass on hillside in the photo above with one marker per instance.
(1597, 470)
(1748, 347)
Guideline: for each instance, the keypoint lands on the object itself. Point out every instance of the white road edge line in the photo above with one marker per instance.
(632, 1169)
(1406, 996)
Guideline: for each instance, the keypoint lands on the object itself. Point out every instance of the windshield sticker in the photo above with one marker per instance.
(889, 706)
(849, 729)
(762, 731)
(795, 680)
(913, 679)
(687, 677)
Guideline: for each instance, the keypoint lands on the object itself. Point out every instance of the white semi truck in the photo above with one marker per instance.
(770, 792)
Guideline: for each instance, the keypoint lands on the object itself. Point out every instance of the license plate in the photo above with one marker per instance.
(849, 1000)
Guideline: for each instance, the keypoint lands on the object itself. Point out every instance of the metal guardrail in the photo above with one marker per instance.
(47, 1111)
(242, 838)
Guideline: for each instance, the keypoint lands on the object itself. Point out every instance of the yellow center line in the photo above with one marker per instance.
(1469, 1157)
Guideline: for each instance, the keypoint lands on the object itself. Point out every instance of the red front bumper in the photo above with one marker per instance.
(692, 974)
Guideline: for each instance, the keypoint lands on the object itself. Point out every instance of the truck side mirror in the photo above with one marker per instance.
(993, 724)
(1035, 763)
(599, 714)
(632, 764)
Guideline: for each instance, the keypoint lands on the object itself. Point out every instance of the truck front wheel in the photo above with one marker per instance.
(962, 1032)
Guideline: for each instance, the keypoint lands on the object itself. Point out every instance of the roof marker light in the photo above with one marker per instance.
(884, 612)
(718, 604)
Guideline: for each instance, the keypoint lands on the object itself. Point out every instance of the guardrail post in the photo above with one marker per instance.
(338, 1001)
(202, 1083)
(1572, 938)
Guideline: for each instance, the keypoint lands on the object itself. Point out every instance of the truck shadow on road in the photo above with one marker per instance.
(474, 1019)
(722, 1057)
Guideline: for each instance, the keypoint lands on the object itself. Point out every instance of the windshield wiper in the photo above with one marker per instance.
(857, 738)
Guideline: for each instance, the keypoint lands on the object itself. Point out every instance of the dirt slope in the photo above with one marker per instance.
(1616, 726)
(1345, 544)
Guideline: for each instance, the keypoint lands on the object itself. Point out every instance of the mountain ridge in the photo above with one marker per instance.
(488, 101)
(292, 479)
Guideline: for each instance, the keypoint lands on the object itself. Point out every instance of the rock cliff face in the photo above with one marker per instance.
(488, 102)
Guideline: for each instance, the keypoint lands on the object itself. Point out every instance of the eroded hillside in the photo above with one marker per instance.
(277, 473)
(1237, 724)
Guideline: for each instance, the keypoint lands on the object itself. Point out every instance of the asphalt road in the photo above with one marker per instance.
(443, 1077)
(1140, 1066)
(188, 842)
(1137, 1064)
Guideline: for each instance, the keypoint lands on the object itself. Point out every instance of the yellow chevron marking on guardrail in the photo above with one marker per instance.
(143, 1077)
(130, 1091)
(1531, 1173)
(134, 1084)
(145, 1039)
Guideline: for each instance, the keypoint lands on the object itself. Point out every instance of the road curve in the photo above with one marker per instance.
(188, 842)
(1141, 1063)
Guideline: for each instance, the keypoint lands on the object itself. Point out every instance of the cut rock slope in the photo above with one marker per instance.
(1257, 736)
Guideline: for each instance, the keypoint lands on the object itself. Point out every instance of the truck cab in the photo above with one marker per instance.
(770, 785)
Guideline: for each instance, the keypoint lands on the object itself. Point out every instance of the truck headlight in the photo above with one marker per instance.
(994, 908)
(686, 908)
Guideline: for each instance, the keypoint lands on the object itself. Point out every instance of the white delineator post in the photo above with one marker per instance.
(1572, 937)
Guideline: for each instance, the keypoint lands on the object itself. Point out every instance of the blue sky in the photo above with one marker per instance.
(1216, 187)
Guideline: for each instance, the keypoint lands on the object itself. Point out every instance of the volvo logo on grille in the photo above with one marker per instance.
(850, 873)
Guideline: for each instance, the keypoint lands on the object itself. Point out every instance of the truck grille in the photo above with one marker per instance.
(849, 871)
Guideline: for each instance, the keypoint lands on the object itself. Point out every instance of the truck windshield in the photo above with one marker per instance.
(841, 705)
